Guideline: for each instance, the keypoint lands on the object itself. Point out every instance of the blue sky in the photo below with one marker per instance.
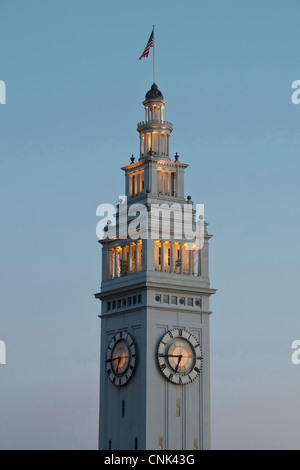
(75, 89)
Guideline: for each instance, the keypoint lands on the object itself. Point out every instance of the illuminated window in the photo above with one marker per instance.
(185, 260)
(111, 264)
(118, 261)
(148, 142)
(133, 257)
(169, 256)
(142, 144)
(176, 258)
(139, 255)
(157, 255)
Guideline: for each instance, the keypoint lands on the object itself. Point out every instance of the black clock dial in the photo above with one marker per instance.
(120, 358)
(179, 356)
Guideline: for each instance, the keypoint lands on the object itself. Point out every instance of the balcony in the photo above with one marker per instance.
(155, 122)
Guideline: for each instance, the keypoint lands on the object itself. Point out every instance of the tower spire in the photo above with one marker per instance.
(154, 131)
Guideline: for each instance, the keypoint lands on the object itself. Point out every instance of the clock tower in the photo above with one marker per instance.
(155, 290)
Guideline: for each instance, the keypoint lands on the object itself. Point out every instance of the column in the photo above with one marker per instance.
(162, 256)
(145, 144)
(141, 181)
(159, 143)
(115, 266)
(129, 258)
(122, 261)
(199, 262)
(136, 258)
(168, 145)
(150, 179)
(144, 248)
(181, 258)
(127, 190)
(105, 263)
(190, 262)
(151, 140)
(172, 260)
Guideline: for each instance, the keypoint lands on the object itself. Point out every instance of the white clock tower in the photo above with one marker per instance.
(155, 352)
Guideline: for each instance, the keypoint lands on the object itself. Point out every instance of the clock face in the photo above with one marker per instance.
(120, 358)
(179, 356)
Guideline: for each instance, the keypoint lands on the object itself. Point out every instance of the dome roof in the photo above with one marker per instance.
(154, 93)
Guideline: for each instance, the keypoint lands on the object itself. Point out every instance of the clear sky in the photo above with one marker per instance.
(75, 89)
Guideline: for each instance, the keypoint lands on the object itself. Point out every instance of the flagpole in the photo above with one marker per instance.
(153, 56)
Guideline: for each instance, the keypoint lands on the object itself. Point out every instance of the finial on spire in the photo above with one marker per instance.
(176, 157)
(132, 159)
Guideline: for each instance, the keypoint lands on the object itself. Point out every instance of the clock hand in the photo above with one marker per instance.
(119, 359)
(113, 359)
(171, 355)
(176, 369)
(116, 358)
(175, 355)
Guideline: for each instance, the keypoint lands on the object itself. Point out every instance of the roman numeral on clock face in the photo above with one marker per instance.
(177, 356)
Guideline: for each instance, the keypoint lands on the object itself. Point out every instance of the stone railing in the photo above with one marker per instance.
(155, 121)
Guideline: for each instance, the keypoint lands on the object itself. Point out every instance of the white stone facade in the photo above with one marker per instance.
(150, 286)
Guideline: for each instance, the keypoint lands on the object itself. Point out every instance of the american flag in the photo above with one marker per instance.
(150, 44)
